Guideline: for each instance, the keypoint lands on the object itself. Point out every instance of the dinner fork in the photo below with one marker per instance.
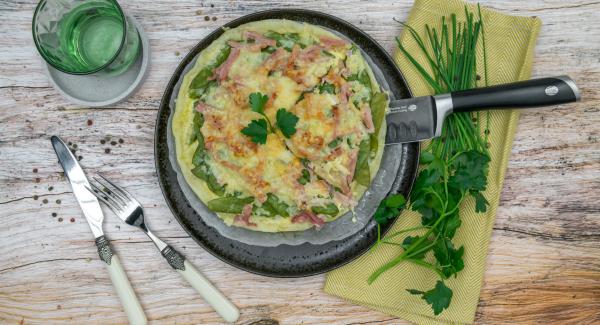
(126, 207)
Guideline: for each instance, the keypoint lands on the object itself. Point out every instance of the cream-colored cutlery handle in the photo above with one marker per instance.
(212, 295)
(129, 300)
(120, 282)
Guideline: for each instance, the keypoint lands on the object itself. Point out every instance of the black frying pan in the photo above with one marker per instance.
(284, 260)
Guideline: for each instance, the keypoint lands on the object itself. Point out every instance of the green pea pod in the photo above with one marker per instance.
(202, 171)
(330, 209)
(229, 204)
(201, 82)
(275, 206)
(362, 173)
(223, 55)
(378, 105)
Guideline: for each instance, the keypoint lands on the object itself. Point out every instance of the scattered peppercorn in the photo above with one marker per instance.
(214, 18)
(107, 150)
(45, 201)
(54, 214)
(74, 145)
(206, 18)
(70, 143)
(121, 141)
(79, 158)
(212, 5)
(113, 143)
(35, 197)
(58, 201)
(102, 141)
(35, 170)
(50, 188)
(72, 220)
(37, 180)
(177, 53)
(60, 219)
(90, 122)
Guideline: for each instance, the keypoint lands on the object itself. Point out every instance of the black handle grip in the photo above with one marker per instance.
(523, 94)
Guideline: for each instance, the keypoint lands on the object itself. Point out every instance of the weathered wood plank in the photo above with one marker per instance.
(544, 259)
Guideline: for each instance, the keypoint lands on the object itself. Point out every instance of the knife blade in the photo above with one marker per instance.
(87, 201)
(422, 118)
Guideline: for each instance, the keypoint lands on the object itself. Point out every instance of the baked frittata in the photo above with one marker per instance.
(278, 126)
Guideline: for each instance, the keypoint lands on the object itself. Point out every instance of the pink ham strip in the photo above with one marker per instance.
(332, 42)
(368, 120)
(351, 169)
(260, 39)
(276, 61)
(310, 53)
(222, 71)
(305, 216)
(344, 94)
(250, 47)
(202, 107)
(244, 217)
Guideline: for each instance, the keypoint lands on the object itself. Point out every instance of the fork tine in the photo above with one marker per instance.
(106, 200)
(112, 192)
(119, 189)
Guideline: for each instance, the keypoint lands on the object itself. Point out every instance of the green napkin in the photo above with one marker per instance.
(510, 43)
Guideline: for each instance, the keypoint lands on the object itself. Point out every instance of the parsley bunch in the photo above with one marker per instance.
(454, 166)
(258, 129)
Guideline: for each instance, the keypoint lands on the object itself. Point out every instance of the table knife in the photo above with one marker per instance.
(93, 214)
(422, 118)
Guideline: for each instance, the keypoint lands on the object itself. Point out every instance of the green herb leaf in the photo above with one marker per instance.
(326, 88)
(439, 297)
(449, 258)
(229, 204)
(257, 131)
(330, 209)
(389, 208)
(480, 202)
(258, 102)
(362, 172)
(286, 122)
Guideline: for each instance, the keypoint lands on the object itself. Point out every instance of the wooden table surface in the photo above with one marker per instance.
(544, 259)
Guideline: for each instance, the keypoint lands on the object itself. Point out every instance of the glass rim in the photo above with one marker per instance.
(47, 60)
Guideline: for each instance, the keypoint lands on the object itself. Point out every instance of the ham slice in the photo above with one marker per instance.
(202, 107)
(244, 217)
(259, 39)
(329, 42)
(310, 53)
(307, 216)
(222, 71)
(368, 119)
(253, 47)
(276, 61)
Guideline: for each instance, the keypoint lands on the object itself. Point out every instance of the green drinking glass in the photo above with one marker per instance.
(85, 36)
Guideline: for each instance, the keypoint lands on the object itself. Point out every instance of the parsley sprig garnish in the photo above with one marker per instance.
(454, 166)
(258, 129)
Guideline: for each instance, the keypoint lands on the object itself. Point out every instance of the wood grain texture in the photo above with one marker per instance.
(544, 260)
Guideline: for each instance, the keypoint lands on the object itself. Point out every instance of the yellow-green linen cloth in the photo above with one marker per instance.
(510, 43)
